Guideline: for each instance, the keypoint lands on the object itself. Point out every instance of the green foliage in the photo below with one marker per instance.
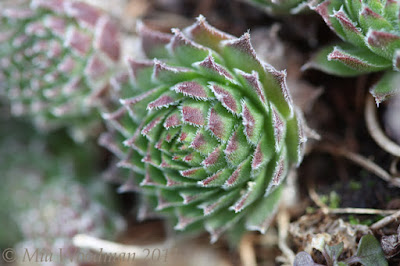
(369, 252)
(371, 35)
(208, 130)
(56, 58)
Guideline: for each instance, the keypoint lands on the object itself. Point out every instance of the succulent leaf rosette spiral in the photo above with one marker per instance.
(370, 30)
(56, 59)
(208, 131)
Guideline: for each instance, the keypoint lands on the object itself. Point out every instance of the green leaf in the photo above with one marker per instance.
(386, 87)
(359, 59)
(320, 62)
(369, 252)
(334, 251)
(303, 259)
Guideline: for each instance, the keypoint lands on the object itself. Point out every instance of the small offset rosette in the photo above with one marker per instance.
(371, 35)
(208, 131)
(56, 59)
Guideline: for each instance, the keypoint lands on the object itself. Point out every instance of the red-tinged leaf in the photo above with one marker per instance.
(118, 120)
(222, 221)
(252, 193)
(217, 179)
(164, 101)
(229, 97)
(78, 41)
(82, 12)
(252, 83)
(154, 42)
(240, 54)
(107, 38)
(320, 62)
(197, 173)
(137, 105)
(36, 29)
(193, 159)
(188, 134)
(204, 142)
(279, 125)
(168, 75)
(106, 140)
(383, 43)
(222, 200)
(353, 34)
(57, 25)
(56, 6)
(17, 13)
(187, 216)
(214, 71)
(201, 32)
(278, 175)
(369, 19)
(325, 9)
(220, 122)
(386, 87)
(253, 122)
(185, 51)
(215, 160)
(154, 126)
(96, 67)
(137, 142)
(261, 156)
(237, 149)
(263, 212)
(167, 162)
(192, 195)
(173, 120)
(194, 112)
(153, 177)
(176, 181)
(240, 175)
(193, 90)
(277, 91)
(153, 156)
(359, 59)
(67, 65)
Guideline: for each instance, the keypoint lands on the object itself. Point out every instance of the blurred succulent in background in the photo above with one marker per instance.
(371, 35)
(207, 129)
(44, 200)
(281, 7)
(56, 58)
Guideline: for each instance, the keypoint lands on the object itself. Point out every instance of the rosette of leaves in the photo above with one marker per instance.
(60, 211)
(56, 58)
(208, 131)
(371, 41)
(280, 7)
(46, 195)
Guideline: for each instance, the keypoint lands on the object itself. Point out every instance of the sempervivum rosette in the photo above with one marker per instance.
(56, 58)
(207, 129)
(371, 34)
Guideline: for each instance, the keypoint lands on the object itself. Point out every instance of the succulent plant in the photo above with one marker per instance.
(56, 58)
(43, 197)
(371, 34)
(280, 7)
(207, 130)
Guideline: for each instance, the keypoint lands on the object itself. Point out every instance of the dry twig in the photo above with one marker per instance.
(376, 131)
(385, 221)
(247, 252)
(361, 161)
